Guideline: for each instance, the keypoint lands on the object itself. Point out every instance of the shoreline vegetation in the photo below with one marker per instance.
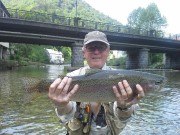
(11, 64)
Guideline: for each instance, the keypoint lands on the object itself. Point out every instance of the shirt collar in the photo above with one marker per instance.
(105, 67)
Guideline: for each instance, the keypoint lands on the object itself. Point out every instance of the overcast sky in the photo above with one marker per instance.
(120, 9)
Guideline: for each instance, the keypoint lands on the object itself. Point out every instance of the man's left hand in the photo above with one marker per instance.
(124, 94)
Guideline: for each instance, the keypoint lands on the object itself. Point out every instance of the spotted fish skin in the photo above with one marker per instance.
(96, 85)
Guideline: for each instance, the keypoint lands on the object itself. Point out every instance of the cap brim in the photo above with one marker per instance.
(90, 41)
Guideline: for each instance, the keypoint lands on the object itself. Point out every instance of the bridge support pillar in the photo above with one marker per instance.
(131, 60)
(137, 59)
(77, 56)
(172, 60)
(143, 58)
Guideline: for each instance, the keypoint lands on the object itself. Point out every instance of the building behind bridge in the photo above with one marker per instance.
(55, 57)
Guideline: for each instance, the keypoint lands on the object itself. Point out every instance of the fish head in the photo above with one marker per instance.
(156, 82)
(160, 82)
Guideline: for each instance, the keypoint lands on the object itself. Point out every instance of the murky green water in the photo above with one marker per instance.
(24, 113)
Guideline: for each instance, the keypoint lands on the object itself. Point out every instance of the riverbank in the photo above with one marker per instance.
(10, 64)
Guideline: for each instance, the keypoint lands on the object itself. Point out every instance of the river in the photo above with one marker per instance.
(22, 112)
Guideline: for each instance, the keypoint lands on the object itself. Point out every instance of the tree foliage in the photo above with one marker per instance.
(66, 53)
(134, 18)
(28, 52)
(62, 8)
(147, 18)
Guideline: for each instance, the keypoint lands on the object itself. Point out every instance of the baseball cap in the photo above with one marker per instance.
(95, 36)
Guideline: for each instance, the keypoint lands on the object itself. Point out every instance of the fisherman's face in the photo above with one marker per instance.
(96, 54)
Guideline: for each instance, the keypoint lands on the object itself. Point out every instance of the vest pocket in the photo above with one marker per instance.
(74, 124)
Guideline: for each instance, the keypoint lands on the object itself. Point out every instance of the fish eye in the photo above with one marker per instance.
(158, 82)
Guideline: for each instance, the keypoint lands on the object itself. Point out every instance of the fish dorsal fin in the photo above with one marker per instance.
(92, 71)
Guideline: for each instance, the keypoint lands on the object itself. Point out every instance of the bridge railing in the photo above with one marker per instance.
(79, 22)
(119, 28)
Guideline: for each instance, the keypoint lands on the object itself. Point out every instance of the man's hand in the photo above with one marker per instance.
(59, 91)
(124, 94)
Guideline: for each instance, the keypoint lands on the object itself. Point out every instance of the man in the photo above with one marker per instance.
(94, 118)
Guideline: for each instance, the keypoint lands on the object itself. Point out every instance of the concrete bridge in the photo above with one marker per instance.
(64, 31)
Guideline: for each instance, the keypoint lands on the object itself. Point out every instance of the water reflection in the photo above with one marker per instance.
(54, 71)
(159, 112)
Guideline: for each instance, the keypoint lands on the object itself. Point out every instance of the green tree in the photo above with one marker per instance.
(61, 8)
(66, 53)
(156, 60)
(147, 18)
(134, 18)
(156, 57)
(39, 54)
(21, 51)
(28, 52)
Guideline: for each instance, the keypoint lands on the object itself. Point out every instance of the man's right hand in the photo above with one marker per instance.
(59, 91)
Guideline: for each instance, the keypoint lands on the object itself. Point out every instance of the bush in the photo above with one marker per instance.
(116, 62)
(157, 65)
(23, 63)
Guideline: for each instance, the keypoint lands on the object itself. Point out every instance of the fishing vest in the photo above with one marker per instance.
(81, 123)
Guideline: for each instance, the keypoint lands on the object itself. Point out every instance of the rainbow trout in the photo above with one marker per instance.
(96, 85)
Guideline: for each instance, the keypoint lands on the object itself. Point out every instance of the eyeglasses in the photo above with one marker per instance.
(93, 48)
